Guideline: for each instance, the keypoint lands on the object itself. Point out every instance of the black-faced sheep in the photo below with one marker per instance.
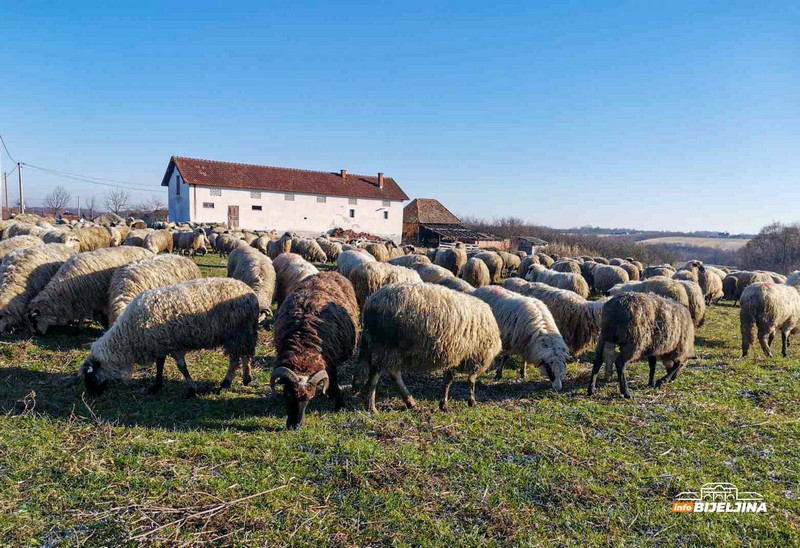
(769, 307)
(149, 273)
(577, 319)
(290, 270)
(369, 277)
(174, 320)
(252, 267)
(561, 280)
(79, 289)
(19, 242)
(315, 331)
(494, 263)
(528, 330)
(475, 272)
(607, 276)
(425, 327)
(159, 241)
(452, 259)
(644, 325)
(350, 259)
(23, 274)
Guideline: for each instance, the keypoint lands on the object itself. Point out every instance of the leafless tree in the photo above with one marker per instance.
(776, 247)
(91, 203)
(57, 200)
(117, 200)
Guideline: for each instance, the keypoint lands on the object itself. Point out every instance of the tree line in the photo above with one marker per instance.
(116, 201)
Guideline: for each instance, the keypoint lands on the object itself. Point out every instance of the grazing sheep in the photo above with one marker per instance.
(525, 265)
(432, 273)
(616, 261)
(577, 319)
(428, 328)
(457, 284)
(352, 258)
(255, 269)
(136, 237)
(561, 280)
(634, 274)
(92, 237)
(711, 284)
(116, 236)
(149, 273)
(658, 270)
(475, 272)
(332, 249)
(408, 260)
(769, 307)
(19, 242)
(159, 241)
(281, 245)
(587, 271)
(59, 236)
(261, 244)
(452, 259)
(290, 270)
(567, 265)
(369, 277)
(545, 259)
(174, 320)
(644, 324)
(777, 278)
(431, 254)
(24, 273)
(528, 330)
(607, 276)
(315, 331)
(494, 263)
(636, 263)
(684, 292)
(18, 228)
(511, 262)
(378, 250)
(308, 249)
(600, 260)
(225, 243)
(735, 283)
(192, 242)
(79, 288)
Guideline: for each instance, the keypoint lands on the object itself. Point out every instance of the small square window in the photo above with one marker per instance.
(387, 203)
(385, 214)
(256, 208)
(352, 213)
(352, 201)
(215, 192)
(208, 205)
(321, 199)
(255, 195)
(288, 197)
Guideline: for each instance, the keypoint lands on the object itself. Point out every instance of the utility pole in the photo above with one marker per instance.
(5, 185)
(8, 204)
(79, 207)
(21, 192)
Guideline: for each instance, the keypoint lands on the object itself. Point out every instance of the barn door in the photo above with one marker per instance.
(233, 216)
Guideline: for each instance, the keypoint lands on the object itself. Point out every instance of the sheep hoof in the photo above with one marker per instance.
(443, 407)
(411, 404)
(627, 396)
(471, 402)
(246, 380)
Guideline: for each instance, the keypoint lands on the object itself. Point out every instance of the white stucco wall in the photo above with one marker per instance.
(304, 215)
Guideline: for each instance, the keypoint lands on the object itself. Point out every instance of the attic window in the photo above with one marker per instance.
(352, 201)
(387, 203)
(255, 195)
(288, 197)
(321, 199)
(215, 192)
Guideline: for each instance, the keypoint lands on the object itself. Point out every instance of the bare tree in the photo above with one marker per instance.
(57, 200)
(152, 209)
(91, 203)
(117, 200)
(776, 247)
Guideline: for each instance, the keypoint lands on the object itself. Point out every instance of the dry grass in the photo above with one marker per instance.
(724, 244)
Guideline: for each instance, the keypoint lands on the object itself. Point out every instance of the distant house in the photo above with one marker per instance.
(285, 199)
(427, 223)
(530, 244)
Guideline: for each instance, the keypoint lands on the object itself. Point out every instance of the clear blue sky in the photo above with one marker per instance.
(663, 115)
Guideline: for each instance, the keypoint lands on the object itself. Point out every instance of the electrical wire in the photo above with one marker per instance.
(81, 178)
(5, 147)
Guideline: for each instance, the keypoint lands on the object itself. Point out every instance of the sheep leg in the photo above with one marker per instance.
(763, 336)
(372, 384)
(623, 380)
(180, 360)
(523, 370)
(598, 363)
(233, 364)
(159, 382)
(407, 397)
(609, 355)
(472, 402)
(785, 344)
(448, 382)
(501, 365)
(246, 377)
(651, 360)
(747, 336)
(672, 372)
(334, 392)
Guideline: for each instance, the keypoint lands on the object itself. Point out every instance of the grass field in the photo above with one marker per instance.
(724, 244)
(526, 466)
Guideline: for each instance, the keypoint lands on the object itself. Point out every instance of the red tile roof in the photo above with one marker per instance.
(428, 211)
(281, 179)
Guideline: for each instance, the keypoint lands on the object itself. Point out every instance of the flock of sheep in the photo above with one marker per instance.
(438, 310)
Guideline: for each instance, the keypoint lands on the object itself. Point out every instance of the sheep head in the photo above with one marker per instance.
(94, 376)
(299, 390)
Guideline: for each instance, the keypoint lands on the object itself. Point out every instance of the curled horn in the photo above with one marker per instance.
(320, 377)
(282, 373)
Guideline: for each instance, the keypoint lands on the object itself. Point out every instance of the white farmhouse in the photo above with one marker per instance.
(263, 197)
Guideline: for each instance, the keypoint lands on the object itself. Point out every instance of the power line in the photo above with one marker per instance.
(102, 179)
(84, 179)
(5, 147)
